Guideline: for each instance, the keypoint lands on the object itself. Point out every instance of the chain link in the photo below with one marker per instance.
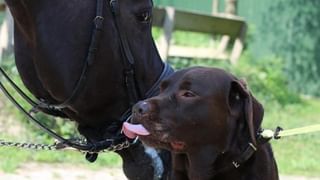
(29, 145)
(118, 147)
(59, 147)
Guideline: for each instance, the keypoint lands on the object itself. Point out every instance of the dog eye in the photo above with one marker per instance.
(144, 17)
(188, 94)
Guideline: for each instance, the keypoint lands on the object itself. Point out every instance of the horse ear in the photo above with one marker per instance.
(240, 99)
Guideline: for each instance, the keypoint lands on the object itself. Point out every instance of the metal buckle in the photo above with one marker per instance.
(253, 147)
(235, 164)
(276, 133)
(98, 20)
(113, 6)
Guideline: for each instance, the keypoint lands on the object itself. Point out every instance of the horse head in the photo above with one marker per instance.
(53, 40)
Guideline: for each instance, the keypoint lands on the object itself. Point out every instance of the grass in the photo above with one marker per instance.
(296, 155)
(12, 158)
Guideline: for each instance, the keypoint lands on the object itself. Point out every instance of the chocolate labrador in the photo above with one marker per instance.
(209, 121)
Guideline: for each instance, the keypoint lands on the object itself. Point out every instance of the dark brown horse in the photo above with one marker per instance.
(52, 39)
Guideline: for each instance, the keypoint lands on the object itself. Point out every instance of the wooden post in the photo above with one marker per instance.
(6, 35)
(238, 46)
(215, 10)
(231, 7)
(215, 6)
(165, 39)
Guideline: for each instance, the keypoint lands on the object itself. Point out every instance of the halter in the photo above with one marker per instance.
(130, 82)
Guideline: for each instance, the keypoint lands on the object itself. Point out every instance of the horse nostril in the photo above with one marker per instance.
(141, 107)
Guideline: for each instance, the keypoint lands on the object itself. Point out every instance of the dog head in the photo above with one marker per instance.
(196, 107)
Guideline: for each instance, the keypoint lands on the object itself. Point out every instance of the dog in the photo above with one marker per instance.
(209, 121)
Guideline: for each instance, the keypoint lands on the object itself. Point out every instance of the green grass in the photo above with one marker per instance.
(12, 158)
(296, 155)
(192, 39)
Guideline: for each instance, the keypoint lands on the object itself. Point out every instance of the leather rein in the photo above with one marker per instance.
(91, 148)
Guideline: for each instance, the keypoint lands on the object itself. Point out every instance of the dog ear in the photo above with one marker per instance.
(240, 99)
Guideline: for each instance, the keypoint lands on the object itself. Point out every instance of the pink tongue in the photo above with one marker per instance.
(134, 130)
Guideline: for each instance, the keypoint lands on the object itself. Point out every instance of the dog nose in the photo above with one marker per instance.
(141, 108)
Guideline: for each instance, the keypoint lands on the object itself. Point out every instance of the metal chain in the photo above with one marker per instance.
(118, 147)
(59, 146)
(29, 145)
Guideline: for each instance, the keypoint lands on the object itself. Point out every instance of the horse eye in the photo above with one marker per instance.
(144, 17)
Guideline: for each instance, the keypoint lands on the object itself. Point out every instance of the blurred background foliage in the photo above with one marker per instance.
(295, 37)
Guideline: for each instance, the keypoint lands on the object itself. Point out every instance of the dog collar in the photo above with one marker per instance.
(236, 163)
(245, 155)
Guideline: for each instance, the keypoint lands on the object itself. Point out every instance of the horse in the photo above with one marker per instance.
(90, 61)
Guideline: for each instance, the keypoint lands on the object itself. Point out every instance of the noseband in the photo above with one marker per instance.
(130, 83)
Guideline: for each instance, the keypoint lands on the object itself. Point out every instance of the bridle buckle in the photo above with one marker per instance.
(236, 164)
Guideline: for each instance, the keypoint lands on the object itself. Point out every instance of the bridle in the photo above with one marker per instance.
(91, 148)
(127, 57)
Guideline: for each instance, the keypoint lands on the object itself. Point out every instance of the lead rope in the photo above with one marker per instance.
(279, 132)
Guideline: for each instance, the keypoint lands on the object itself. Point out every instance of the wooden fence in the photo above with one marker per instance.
(171, 19)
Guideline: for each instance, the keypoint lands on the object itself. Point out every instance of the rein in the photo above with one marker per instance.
(92, 149)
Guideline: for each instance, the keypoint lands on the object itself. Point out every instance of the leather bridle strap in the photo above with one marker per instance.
(91, 56)
(127, 57)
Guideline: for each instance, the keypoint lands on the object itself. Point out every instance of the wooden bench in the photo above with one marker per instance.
(171, 19)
